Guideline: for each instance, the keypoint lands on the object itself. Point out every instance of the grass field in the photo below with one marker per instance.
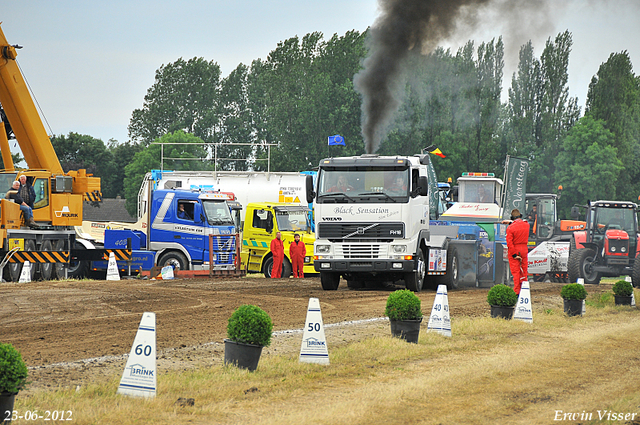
(578, 369)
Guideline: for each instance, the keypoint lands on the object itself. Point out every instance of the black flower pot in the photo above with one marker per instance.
(6, 404)
(622, 300)
(409, 330)
(502, 311)
(573, 307)
(244, 356)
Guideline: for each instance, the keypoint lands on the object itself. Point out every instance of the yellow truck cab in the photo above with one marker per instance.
(261, 222)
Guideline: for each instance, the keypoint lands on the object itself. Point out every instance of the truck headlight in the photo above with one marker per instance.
(613, 249)
(323, 249)
(398, 249)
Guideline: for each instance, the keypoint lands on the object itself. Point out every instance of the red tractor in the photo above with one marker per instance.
(608, 246)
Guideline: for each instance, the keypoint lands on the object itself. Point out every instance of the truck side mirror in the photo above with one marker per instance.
(197, 213)
(311, 195)
(423, 186)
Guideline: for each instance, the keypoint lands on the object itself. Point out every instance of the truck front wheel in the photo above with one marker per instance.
(635, 275)
(330, 281)
(268, 266)
(415, 280)
(175, 259)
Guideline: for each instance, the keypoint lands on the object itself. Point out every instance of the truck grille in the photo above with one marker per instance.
(358, 251)
(224, 243)
(357, 230)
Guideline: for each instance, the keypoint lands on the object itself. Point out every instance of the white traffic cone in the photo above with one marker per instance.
(633, 297)
(112, 268)
(140, 374)
(314, 344)
(25, 274)
(439, 320)
(524, 307)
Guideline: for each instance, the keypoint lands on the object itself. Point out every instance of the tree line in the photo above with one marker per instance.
(303, 92)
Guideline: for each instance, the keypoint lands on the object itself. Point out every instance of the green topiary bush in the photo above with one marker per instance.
(573, 291)
(403, 305)
(502, 295)
(250, 324)
(622, 288)
(13, 370)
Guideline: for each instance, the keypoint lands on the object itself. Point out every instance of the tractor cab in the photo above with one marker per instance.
(609, 244)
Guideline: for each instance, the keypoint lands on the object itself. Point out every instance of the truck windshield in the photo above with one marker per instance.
(292, 220)
(481, 191)
(217, 213)
(363, 184)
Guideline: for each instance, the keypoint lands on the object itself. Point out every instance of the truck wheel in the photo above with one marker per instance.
(175, 259)
(46, 269)
(77, 269)
(414, 280)
(581, 262)
(15, 269)
(635, 275)
(330, 281)
(287, 268)
(451, 279)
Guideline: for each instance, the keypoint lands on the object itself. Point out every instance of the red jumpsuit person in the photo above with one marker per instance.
(277, 250)
(517, 238)
(297, 252)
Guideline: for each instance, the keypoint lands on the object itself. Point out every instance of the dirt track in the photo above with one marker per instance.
(55, 323)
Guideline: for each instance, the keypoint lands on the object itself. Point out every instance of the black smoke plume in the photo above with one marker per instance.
(403, 26)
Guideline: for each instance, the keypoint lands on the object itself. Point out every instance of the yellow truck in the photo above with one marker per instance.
(261, 222)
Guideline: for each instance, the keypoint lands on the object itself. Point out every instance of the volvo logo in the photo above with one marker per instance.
(332, 218)
(360, 230)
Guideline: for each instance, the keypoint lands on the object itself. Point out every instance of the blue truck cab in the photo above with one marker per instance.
(181, 222)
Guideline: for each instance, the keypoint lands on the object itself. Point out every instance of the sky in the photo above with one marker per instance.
(90, 63)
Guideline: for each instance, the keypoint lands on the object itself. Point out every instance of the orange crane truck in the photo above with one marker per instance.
(59, 195)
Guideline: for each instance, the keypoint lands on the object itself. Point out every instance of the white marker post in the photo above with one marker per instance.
(167, 272)
(25, 274)
(314, 344)
(439, 320)
(584, 302)
(524, 307)
(633, 297)
(112, 268)
(139, 376)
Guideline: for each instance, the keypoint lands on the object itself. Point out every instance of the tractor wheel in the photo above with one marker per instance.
(581, 263)
(635, 275)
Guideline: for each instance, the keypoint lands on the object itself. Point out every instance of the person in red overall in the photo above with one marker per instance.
(297, 252)
(517, 238)
(277, 250)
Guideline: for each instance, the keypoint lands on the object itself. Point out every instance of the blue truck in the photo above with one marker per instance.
(181, 227)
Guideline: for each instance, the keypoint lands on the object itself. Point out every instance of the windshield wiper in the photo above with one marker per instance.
(377, 193)
(331, 195)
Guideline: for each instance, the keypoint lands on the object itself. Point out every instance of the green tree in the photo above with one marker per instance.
(588, 160)
(614, 97)
(123, 154)
(80, 151)
(185, 96)
(148, 159)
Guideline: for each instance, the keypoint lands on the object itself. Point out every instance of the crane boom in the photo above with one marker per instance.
(22, 114)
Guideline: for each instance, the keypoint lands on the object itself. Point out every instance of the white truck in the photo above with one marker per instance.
(372, 222)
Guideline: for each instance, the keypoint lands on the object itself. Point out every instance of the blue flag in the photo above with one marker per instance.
(336, 140)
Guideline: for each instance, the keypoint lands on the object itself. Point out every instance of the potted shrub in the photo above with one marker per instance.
(249, 330)
(622, 291)
(13, 377)
(573, 294)
(405, 315)
(502, 299)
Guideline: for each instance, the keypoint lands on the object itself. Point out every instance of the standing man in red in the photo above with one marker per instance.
(277, 250)
(297, 252)
(517, 238)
